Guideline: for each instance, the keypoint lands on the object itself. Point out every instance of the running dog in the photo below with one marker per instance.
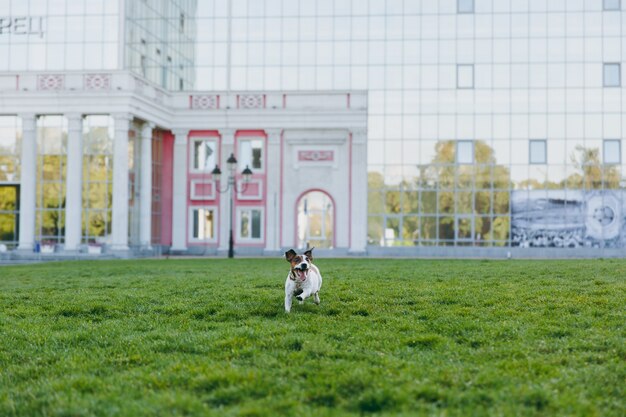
(304, 279)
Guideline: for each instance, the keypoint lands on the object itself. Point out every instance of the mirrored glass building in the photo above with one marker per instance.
(405, 127)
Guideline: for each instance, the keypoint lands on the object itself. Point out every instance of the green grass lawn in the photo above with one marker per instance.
(391, 337)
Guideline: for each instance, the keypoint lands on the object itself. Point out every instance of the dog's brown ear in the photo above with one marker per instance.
(309, 254)
(290, 254)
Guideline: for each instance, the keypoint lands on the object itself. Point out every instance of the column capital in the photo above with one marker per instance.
(74, 121)
(181, 132)
(146, 130)
(122, 121)
(28, 121)
(273, 134)
(180, 136)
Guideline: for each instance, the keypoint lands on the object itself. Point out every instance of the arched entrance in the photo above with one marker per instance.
(315, 217)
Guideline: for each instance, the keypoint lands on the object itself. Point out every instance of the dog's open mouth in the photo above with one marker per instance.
(300, 274)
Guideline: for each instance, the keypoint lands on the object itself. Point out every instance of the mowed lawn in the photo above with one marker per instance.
(391, 337)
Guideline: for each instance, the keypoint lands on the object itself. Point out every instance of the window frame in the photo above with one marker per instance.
(244, 239)
(458, 78)
(604, 74)
(240, 160)
(457, 153)
(192, 153)
(619, 151)
(467, 2)
(609, 9)
(530, 152)
(193, 239)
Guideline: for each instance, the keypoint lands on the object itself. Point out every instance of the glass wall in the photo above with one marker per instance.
(98, 133)
(51, 174)
(10, 151)
(480, 118)
(59, 35)
(160, 41)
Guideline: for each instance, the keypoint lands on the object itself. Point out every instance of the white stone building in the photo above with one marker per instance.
(109, 149)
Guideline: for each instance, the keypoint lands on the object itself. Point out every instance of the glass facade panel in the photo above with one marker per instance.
(51, 170)
(537, 152)
(612, 75)
(612, 4)
(437, 74)
(612, 151)
(10, 148)
(97, 178)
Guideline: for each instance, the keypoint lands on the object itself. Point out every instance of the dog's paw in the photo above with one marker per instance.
(298, 292)
(299, 298)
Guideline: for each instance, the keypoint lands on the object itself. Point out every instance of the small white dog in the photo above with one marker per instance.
(304, 279)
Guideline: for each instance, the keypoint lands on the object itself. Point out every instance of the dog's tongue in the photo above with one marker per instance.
(301, 275)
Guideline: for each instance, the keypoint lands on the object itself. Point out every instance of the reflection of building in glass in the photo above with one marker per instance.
(489, 124)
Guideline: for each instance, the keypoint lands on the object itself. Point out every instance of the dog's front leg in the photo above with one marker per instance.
(288, 297)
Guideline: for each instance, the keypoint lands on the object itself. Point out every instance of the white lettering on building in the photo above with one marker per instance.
(25, 25)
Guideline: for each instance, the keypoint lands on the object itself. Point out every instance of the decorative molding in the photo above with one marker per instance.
(159, 96)
(50, 82)
(97, 81)
(315, 156)
(309, 156)
(255, 187)
(204, 102)
(140, 85)
(203, 185)
(251, 101)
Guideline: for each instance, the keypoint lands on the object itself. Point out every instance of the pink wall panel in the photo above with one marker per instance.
(166, 188)
(213, 201)
(260, 178)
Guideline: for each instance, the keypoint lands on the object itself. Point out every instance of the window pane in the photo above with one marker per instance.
(256, 224)
(204, 155)
(465, 76)
(612, 75)
(612, 5)
(612, 151)
(245, 224)
(465, 152)
(246, 154)
(537, 151)
(465, 6)
(203, 224)
(251, 154)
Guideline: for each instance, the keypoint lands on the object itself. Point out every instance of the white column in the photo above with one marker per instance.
(179, 183)
(358, 216)
(74, 182)
(272, 242)
(145, 188)
(28, 182)
(227, 147)
(119, 227)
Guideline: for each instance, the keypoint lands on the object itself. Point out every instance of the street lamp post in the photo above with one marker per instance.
(231, 186)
